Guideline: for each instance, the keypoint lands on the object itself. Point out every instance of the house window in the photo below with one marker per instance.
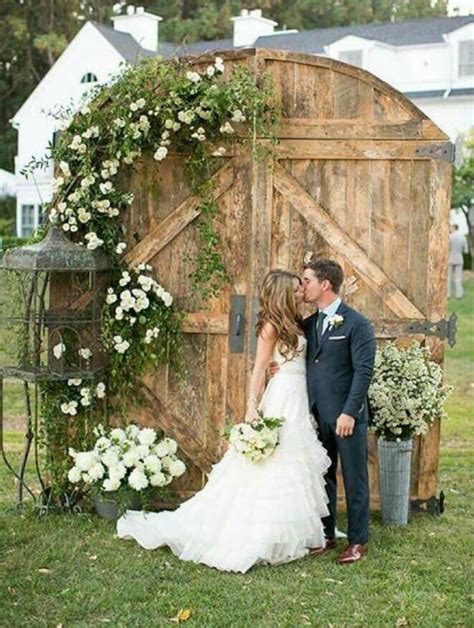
(89, 78)
(466, 58)
(354, 57)
(27, 220)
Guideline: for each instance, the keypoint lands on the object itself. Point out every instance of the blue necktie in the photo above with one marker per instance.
(319, 326)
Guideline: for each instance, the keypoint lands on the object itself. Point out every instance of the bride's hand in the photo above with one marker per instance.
(251, 415)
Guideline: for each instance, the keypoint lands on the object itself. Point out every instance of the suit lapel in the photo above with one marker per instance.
(340, 310)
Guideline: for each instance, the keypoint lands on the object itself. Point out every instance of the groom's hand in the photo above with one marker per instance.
(345, 425)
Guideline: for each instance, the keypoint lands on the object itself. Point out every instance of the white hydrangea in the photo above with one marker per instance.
(74, 475)
(147, 436)
(111, 484)
(177, 468)
(138, 480)
(158, 479)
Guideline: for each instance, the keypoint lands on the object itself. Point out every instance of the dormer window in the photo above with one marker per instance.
(89, 78)
(354, 57)
(466, 58)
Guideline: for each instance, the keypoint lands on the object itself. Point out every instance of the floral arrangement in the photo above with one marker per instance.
(154, 108)
(258, 440)
(406, 394)
(126, 459)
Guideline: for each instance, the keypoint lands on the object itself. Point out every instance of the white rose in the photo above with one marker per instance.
(100, 390)
(110, 458)
(59, 349)
(161, 153)
(211, 70)
(85, 353)
(143, 451)
(111, 298)
(120, 248)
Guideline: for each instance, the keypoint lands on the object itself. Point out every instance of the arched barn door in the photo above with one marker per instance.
(361, 175)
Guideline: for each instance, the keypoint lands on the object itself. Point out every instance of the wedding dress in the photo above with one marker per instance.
(249, 513)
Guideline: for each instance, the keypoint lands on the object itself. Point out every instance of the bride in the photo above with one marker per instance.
(264, 512)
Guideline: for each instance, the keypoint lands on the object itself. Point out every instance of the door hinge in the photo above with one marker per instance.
(444, 151)
(443, 329)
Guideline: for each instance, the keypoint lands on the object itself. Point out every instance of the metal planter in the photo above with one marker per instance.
(108, 508)
(394, 479)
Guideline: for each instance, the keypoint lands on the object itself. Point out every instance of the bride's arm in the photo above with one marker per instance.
(265, 344)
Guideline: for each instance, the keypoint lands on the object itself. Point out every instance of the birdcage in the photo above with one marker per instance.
(52, 295)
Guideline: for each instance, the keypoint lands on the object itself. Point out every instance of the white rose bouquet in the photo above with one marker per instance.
(407, 393)
(258, 440)
(124, 460)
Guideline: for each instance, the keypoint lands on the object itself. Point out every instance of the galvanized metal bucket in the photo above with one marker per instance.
(394, 479)
(107, 507)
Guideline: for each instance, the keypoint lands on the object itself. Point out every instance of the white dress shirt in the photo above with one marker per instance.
(330, 310)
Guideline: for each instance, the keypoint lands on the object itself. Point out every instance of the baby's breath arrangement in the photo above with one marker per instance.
(155, 108)
(407, 393)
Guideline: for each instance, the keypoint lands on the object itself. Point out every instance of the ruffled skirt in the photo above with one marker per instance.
(249, 513)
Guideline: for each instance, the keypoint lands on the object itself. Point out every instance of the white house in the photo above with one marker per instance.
(95, 53)
(430, 60)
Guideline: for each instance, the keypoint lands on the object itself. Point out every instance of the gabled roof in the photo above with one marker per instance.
(123, 43)
(408, 33)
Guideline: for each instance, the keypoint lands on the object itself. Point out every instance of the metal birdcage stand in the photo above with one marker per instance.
(52, 298)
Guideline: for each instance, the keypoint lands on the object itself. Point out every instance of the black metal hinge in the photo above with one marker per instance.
(444, 151)
(443, 329)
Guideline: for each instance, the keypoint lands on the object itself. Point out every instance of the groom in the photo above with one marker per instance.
(340, 362)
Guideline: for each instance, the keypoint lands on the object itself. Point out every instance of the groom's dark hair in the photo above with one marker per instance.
(327, 269)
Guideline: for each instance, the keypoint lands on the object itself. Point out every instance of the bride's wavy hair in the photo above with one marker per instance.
(278, 306)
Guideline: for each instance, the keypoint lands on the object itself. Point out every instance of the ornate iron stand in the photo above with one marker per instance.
(52, 299)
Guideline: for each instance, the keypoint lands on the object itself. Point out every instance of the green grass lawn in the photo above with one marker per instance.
(72, 571)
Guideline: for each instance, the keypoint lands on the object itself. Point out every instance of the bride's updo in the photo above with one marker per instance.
(278, 306)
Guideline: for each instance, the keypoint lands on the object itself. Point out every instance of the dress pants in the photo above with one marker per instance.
(353, 452)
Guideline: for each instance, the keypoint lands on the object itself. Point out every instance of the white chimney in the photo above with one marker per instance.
(142, 26)
(249, 26)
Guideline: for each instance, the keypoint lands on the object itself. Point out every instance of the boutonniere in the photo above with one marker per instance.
(335, 321)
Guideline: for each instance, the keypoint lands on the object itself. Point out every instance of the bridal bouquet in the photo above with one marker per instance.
(124, 460)
(256, 441)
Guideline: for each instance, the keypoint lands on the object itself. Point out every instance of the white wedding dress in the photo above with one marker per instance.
(249, 513)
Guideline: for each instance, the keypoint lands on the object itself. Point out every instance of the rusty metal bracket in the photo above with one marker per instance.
(443, 329)
(444, 151)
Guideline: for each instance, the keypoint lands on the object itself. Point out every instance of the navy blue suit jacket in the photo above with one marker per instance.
(339, 370)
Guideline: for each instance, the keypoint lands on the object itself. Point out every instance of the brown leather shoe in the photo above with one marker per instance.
(319, 551)
(352, 554)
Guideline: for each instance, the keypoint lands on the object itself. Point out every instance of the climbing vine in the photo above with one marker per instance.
(151, 109)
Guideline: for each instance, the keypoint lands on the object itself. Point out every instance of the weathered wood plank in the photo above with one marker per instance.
(206, 323)
(343, 245)
(186, 212)
(352, 149)
(154, 411)
(317, 128)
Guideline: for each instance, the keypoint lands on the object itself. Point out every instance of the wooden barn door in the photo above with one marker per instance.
(355, 211)
(192, 407)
